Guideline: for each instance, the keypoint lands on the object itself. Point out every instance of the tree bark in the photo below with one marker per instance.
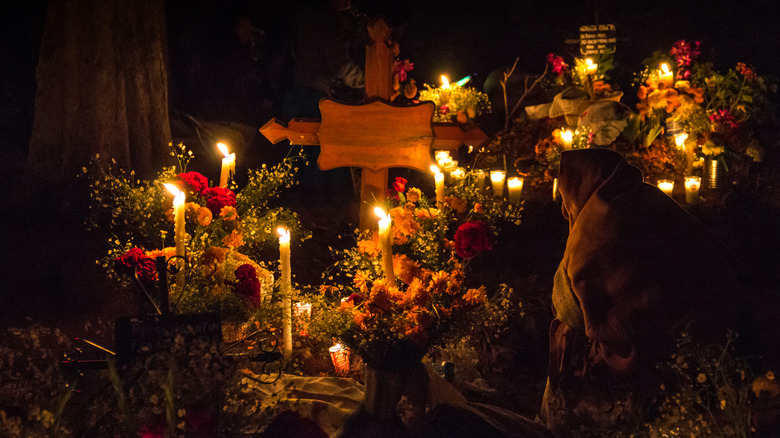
(102, 88)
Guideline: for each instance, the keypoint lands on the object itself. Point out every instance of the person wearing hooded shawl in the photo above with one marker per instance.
(637, 272)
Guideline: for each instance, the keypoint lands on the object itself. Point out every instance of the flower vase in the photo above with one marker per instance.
(383, 391)
(715, 175)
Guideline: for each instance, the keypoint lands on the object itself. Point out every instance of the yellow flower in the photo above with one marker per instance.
(701, 378)
(228, 213)
(475, 296)
(203, 217)
(360, 281)
(722, 405)
(413, 194)
(234, 239)
(368, 247)
(457, 204)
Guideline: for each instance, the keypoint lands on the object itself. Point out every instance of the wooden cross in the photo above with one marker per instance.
(376, 135)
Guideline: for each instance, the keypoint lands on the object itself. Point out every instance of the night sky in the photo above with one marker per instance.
(456, 37)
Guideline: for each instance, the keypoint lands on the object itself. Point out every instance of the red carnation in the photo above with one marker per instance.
(247, 284)
(218, 197)
(472, 238)
(400, 184)
(194, 181)
(135, 260)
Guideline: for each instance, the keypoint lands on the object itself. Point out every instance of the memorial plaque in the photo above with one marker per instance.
(597, 38)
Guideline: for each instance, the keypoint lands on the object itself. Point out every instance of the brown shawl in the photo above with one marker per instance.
(636, 272)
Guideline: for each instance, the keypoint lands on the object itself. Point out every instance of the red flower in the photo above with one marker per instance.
(724, 119)
(247, 284)
(135, 260)
(558, 66)
(400, 184)
(195, 182)
(401, 68)
(444, 109)
(392, 194)
(218, 197)
(472, 238)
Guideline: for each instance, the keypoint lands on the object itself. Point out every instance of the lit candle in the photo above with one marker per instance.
(590, 66)
(302, 313)
(515, 186)
(480, 175)
(679, 140)
(442, 157)
(497, 178)
(666, 186)
(666, 76)
(555, 189)
(228, 165)
(567, 137)
(692, 186)
(339, 355)
(445, 82)
(386, 245)
(458, 173)
(286, 291)
(438, 179)
(180, 233)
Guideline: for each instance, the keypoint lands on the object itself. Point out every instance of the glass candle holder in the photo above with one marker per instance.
(479, 178)
(666, 186)
(515, 188)
(497, 179)
(692, 186)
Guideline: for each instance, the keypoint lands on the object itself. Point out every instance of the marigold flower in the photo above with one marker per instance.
(478, 208)
(167, 252)
(701, 378)
(361, 281)
(228, 213)
(368, 247)
(234, 239)
(413, 195)
(475, 296)
(457, 204)
(406, 268)
(203, 217)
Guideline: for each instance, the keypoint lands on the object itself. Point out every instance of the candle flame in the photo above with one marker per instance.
(566, 135)
(173, 189)
(445, 83)
(283, 232)
(665, 69)
(435, 169)
(588, 62)
(679, 140)
(223, 148)
(380, 212)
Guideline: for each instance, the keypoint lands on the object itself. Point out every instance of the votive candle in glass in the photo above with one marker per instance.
(497, 178)
(692, 186)
(515, 188)
(666, 186)
(479, 176)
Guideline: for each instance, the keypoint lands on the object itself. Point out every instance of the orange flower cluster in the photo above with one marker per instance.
(381, 311)
(655, 95)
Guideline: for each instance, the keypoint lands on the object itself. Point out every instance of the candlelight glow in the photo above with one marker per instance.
(679, 139)
(435, 169)
(380, 212)
(224, 149)
(178, 194)
(445, 83)
(665, 69)
(666, 186)
(284, 235)
(567, 136)
(590, 66)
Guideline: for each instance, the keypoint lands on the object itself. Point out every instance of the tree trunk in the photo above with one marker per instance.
(102, 88)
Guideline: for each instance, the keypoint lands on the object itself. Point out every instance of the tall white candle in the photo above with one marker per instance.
(228, 165)
(666, 186)
(497, 179)
(666, 76)
(567, 137)
(286, 291)
(515, 186)
(692, 186)
(386, 244)
(180, 234)
(438, 179)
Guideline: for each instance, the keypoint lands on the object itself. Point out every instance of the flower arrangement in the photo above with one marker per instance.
(456, 103)
(391, 324)
(719, 112)
(223, 228)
